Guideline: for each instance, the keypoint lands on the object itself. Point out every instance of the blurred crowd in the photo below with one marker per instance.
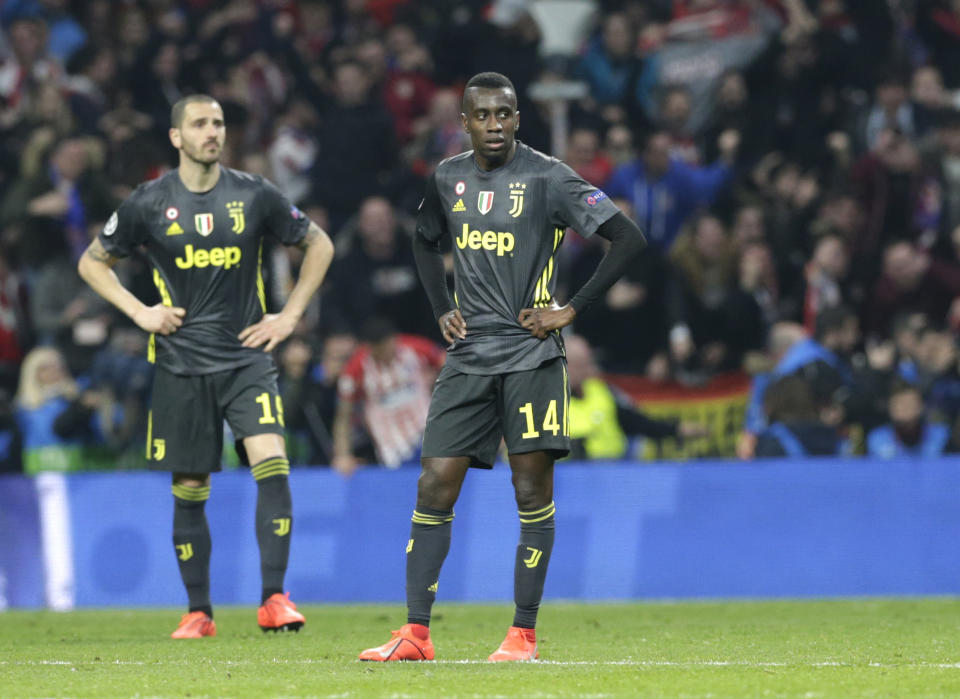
(794, 164)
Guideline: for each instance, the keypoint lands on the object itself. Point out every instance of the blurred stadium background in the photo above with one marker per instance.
(766, 404)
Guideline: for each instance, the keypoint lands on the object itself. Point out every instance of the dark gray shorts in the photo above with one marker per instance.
(185, 424)
(469, 414)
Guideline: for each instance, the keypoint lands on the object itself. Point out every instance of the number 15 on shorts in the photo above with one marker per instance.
(549, 424)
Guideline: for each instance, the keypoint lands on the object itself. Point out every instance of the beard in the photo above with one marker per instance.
(909, 433)
(201, 156)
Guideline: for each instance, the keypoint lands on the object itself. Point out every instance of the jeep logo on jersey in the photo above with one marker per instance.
(501, 241)
(484, 202)
(203, 223)
(214, 257)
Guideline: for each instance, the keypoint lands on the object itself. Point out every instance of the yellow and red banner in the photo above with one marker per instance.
(720, 405)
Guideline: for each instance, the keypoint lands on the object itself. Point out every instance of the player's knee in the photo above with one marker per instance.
(532, 493)
(436, 491)
(191, 480)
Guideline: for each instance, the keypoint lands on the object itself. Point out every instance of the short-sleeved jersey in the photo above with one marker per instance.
(206, 253)
(506, 226)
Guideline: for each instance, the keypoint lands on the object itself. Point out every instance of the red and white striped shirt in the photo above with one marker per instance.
(395, 395)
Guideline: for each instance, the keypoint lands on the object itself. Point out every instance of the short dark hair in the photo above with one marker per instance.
(900, 385)
(377, 329)
(789, 399)
(490, 80)
(176, 112)
(831, 319)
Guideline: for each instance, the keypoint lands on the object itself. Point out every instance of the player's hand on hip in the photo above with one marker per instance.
(159, 318)
(541, 321)
(452, 326)
(272, 329)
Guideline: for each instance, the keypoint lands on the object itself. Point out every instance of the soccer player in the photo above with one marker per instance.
(202, 226)
(506, 207)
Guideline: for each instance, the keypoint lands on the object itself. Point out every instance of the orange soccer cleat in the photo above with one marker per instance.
(411, 642)
(519, 645)
(195, 625)
(278, 613)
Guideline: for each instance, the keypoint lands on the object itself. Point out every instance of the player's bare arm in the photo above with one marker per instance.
(96, 269)
(344, 462)
(542, 321)
(274, 328)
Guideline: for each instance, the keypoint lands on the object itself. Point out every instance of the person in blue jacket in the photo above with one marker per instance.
(908, 433)
(795, 428)
(665, 191)
(56, 417)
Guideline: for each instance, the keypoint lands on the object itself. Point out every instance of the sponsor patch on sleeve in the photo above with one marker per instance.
(296, 213)
(599, 195)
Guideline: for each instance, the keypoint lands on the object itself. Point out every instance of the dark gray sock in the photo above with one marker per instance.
(274, 522)
(191, 542)
(426, 550)
(530, 569)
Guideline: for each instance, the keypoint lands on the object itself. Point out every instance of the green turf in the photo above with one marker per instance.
(866, 648)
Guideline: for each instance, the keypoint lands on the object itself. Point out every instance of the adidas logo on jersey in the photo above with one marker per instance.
(459, 206)
(174, 229)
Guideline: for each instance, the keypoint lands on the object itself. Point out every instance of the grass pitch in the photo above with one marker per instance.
(863, 648)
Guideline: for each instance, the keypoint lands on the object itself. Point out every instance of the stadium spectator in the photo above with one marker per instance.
(824, 277)
(56, 205)
(440, 135)
(792, 351)
(26, 64)
(90, 85)
(68, 314)
(585, 157)
(734, 109)
(664, 192)
(610, 67)
(887, 180)
(56, 417)
(674, 118)
(377, 275)
(602, 419)
(705, 266)
(912, 281)
(293, 152)
(16, 332)
(310, 399)
(356, 133)
(908, 432)
(891, 111)
(408, 88)
(387, 380)
(937, 374)
(794, 428)
(628, 325)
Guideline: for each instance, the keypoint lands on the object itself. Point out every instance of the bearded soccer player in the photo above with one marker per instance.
(202, 227)
(506, 207)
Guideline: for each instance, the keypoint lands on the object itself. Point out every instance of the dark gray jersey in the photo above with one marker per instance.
(506, 226)
(206, 253)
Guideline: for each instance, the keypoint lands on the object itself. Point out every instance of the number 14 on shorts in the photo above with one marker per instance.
(550, 422)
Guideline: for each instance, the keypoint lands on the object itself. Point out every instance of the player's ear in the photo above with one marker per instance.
(516, 121)
(463, 120)
(175, 138)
